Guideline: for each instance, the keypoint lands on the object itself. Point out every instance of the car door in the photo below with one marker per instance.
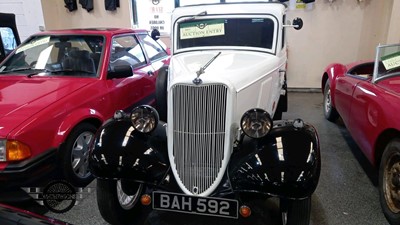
(366, 115)
(129, 91)
(345, 86)
(155, 54)
(9, 38)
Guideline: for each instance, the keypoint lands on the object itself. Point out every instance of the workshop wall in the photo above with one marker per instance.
(334, 31)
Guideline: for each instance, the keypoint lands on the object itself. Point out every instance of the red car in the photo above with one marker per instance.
(366, 95)
(58, 87)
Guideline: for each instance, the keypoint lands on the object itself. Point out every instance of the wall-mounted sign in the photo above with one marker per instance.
(155, 14)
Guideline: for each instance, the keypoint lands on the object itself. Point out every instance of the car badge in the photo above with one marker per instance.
(155, 2)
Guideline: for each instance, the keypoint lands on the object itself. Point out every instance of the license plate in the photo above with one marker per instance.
(195, 205)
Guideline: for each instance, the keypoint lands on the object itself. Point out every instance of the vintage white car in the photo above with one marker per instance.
(211, 142)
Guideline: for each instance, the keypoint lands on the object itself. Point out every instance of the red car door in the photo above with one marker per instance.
(366, 116)
(126, 92)
(345, 87)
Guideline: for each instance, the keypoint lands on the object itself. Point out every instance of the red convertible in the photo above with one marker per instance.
(58, 87)
(366, 95)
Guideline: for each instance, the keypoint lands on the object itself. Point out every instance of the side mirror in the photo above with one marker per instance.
(121, 71)
(155, 34)
(297, 23)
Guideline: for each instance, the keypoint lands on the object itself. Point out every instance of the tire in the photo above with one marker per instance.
(389, 182)
(295, 212)
(330, 112)
(161, 93)
(75, 154)
(114, 205)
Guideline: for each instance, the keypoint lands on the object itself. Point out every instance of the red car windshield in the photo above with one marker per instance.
(57, 55)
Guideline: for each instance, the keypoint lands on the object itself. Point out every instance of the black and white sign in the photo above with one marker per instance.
(155, 14)
(220, 207)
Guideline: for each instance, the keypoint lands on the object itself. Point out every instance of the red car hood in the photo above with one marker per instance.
(21, 97)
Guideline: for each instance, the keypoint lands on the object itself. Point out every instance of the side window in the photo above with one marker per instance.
(8, 39)
(153, 49)
(126, 51)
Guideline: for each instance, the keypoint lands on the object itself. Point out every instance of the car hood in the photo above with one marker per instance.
(233, 68)
(21, 97)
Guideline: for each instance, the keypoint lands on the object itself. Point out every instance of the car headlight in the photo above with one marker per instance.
(13, 151)
(144, 118)
(256, 123)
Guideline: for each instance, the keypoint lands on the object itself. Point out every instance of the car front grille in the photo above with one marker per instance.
(199, 123)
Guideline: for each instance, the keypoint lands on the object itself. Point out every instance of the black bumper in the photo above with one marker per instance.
(35, 172)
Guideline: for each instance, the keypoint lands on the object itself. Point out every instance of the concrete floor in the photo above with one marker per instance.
(346, 194)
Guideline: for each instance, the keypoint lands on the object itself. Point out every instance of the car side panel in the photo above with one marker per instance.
(333, 71)
(345, 87)
(372, 112)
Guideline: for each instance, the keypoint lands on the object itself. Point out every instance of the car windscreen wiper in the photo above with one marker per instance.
(70, 71)
(59, 71)
(19, 69)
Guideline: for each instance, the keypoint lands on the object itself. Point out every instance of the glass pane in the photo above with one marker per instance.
(389, 61)
(251, 32)
(126, 51)
(153, 49)
(64, 54)
(8, 39)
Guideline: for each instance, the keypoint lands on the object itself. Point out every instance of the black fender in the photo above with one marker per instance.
(285, 163)
(119, 151)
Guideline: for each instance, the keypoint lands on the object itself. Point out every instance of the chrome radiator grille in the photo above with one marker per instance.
(199, 115)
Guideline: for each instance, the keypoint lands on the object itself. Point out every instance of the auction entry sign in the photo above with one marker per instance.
(155, 14)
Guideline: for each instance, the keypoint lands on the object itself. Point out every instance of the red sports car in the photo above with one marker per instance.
(366, 95)
(58, 87)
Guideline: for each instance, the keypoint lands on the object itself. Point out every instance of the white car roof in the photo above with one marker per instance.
(274, 8)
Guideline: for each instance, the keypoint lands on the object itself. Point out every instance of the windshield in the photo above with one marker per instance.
(230, 32)
(387, 62)
(68, 55)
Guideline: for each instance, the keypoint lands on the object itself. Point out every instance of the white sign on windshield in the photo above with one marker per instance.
(391, 61)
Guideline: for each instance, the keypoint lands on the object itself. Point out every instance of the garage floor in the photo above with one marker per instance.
(347, 193)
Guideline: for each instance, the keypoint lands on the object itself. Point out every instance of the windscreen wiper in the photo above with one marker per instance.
(60, 71)
(204, 13)
(18, 70)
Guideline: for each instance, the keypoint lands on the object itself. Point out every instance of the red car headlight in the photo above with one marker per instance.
(13, 151)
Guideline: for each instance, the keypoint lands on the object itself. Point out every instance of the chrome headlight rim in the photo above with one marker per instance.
(256, 123)
(144, 119)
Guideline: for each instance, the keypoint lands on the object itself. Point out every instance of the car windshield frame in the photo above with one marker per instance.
(72, 55)
(387, 62)
(219, 22)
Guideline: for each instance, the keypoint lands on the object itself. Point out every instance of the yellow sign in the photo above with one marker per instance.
(391, 61)
(202, 29)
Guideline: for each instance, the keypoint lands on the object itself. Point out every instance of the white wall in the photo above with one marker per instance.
(342, 31)
(29, 16)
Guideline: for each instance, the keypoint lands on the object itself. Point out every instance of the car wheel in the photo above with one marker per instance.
(389, 182)
(329, 111)
(75, 155)
(161, 93)
(115, 206)
(295, 212)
